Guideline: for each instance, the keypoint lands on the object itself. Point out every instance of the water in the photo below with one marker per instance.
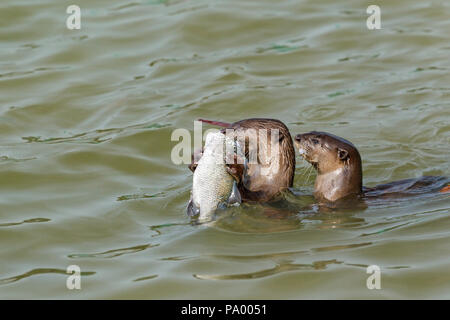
(85, 123)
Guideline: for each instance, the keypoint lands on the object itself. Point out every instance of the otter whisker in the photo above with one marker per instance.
(305, 168)
(311, 169)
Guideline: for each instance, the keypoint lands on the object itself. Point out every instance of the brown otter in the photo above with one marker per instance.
(273, 172)
(338, 164)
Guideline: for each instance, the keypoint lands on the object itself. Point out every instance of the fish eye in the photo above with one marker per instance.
(315, 141)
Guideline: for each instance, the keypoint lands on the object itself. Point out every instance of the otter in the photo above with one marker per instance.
(273, 172)
(338, 164)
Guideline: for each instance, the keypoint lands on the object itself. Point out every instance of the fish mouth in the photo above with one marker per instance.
(302, 149)
(302, 152)
(192, 209)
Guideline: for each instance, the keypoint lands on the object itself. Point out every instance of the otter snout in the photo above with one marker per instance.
(298, 141)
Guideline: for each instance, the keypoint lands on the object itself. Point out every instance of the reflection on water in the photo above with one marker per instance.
(113, 253)
(272, 256)
(146, 278)
(341, 247)
(97, 136)
(34, 220)
(282, 267)
(139, 196)
(6, 158)
(39, 271)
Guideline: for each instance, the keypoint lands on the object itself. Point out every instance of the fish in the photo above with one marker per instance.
(212, 186)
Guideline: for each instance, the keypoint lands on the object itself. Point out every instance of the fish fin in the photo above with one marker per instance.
(216, 123)
(192, 209)
(235, 196)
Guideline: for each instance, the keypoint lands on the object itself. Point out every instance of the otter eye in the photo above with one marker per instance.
(315, 141)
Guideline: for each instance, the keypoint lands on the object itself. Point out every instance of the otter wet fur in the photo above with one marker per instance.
(213, 186)
(339, 171)
(274, 171)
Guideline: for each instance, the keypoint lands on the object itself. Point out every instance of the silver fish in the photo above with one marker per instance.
(213, 186)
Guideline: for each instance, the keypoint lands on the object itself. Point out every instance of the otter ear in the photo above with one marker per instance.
(342, 154)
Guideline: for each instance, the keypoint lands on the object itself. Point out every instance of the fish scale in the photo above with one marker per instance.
(212, 185)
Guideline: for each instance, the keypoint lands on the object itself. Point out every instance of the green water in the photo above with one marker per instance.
(86, 118)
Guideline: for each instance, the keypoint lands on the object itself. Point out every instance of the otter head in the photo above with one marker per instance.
(337, 162)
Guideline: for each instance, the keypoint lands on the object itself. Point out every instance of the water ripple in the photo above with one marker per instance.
(113, 253)
(94, 137)
(34, 220)
(39, 271)
(279, 268)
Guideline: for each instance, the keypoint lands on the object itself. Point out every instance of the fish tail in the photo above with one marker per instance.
(445, 189)
(216, 123)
